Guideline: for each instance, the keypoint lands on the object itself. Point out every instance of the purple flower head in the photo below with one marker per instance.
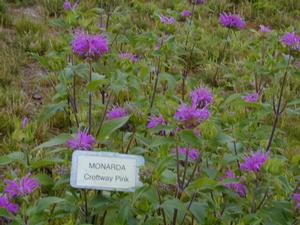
(167, 20)
(117, 112)
(128, 55)
(190, 117)
(229, 174)
(200, 2)
(296, 198)
(155, 120)
(264, 29)
(192, 153)
(67, 5)
(291, 40)
(28, 185)
(24, 122)
(232, 21)
(24, 187)
(201, 97)
(11, 188)
(185, 13)
(298, 64)
(254, 97)
(89, 47)
(254, 162)
(83, 141)
(9, 206)
(235, 186)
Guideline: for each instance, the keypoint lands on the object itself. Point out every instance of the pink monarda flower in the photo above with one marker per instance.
(235, 186)
(192, 153)
(254, 162)
(155, 120)
(254, 97)
(190, 117)
(24, 122)
(9, 206)
(89, 47)
(185, 13)
(117, 112)
(264, 29)
(298, 64)
(24, 187)
(167, 20)
(201, 97)
(128, 55)
(67, 5)
(200, 2)
(291, 40)
(232, 21)
(83, 141)
(296, 197)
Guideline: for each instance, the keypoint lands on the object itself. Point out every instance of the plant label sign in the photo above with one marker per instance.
(105, 171)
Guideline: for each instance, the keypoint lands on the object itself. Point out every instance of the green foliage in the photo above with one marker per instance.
(172, 60)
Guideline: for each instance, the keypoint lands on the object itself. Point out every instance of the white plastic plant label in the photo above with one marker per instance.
(105, 171)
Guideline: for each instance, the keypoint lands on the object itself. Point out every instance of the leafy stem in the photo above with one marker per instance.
(182, 184)
(156, 82)
(253, 204)
(221, 57)
(161, 209)
(186, 67)
(104, 114)
(73, 103)
(90, 99)
(237, 160)
(278, 109)
(86, 213)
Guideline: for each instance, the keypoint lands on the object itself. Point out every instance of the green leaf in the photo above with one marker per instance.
(119, 82)
(50, 110)
(110, 126)
(223, 138)
(198, 209)
(58, 140)
(203, 183)
(189, 138)
(45, 203)
(45, 162)
(96, 84)
(5, 213)
(228, 158)
(12, 157)
(153, 221)
(231, 99)
(44, 179)
(81, 69)
(169, 78)
(57, 23)
(164, 164)
(123, 212)
(174, 204)
(158, 141)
